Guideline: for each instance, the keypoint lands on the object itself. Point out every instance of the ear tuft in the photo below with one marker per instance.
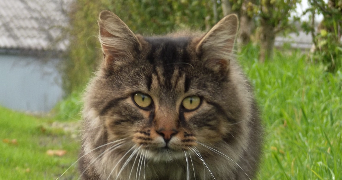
(118, 42)
(104, 15)
(217, 45)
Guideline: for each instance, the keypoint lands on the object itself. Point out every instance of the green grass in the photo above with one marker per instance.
(301, 109)
(27, 159)
(302, 115)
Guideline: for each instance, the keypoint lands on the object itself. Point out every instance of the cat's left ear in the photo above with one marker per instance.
(217, 46)
(119, 44)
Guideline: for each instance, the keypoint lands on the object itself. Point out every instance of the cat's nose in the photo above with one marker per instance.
(167, 134)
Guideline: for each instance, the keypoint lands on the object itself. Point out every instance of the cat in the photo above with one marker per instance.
(174, 107)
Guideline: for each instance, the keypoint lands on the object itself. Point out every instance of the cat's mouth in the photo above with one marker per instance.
(164, 149)
(165, 154)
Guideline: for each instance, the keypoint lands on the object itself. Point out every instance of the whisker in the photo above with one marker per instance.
(87, 154)
(193, 167)
(198, 154)
(129, 177)
(140, 167)
(145, 165)
(137, 172)
(187, 167)
(223, 155)
(127, 161)
(120, 161)
(100, 155)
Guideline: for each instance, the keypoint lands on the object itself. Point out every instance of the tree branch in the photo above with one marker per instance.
(323, 9)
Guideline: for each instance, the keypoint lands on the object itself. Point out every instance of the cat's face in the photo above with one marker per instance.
(167, 95)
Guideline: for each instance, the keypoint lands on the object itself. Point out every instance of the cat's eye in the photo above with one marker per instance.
(191, 103)
(142, 100)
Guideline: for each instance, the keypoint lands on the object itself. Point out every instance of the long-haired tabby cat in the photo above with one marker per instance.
(174, 107)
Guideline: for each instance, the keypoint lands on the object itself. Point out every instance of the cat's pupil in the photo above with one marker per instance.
(142, 100)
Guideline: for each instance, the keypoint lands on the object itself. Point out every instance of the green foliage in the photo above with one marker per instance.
(84, 51)
(301, 109)
(278, 12)
(329, 51)
(328, 46)
(161, 17)
(69, 108)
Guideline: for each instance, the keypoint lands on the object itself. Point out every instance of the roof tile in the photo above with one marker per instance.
(33, 24)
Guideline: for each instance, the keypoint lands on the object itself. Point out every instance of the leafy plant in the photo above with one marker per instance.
(327, 39)
(69, 108)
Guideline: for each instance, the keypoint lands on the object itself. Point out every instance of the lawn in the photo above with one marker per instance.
(302, 115)
(301, 109)
(29, 146)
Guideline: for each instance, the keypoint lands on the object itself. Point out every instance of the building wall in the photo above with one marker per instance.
(29, 84)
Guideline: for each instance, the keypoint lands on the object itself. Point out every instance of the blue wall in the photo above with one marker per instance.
(28, 84)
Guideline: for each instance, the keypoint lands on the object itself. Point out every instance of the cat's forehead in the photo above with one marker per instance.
(169, 59)
(159, 41)
(168, 49)
(168, 53)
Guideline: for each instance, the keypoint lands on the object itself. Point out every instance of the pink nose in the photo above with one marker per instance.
(167, 134)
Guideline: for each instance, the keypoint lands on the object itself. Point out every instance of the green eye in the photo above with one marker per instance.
(142, 100)
(191, 102)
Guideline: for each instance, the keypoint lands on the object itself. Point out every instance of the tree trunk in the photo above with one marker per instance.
(226, 8)
(246, 27)
(266, 38)
(215, 10)
(246, 23)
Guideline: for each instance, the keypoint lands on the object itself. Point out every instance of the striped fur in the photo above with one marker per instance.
(219, 140)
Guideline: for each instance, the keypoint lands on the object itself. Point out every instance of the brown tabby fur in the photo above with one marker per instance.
(219, 140)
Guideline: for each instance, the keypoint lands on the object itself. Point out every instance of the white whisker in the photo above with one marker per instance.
(100, 155)
(137, 172)
(198, 154)
(187, 167)
(141, 164)
(87, 154)
(127, 161)
(145, 165)
(119, 161)
(193, 167)
(223, 155)
(129, 177)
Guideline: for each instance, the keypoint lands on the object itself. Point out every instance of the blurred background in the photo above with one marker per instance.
(49, 49)
(290, 50)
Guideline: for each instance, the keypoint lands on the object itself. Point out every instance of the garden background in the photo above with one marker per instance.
(299, 90)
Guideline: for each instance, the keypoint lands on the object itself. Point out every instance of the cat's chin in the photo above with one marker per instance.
(164, 155)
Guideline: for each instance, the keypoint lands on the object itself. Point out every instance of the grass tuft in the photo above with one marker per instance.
(301, 110)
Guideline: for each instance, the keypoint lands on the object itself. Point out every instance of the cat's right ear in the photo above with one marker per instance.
(119, 43)
(216, 48)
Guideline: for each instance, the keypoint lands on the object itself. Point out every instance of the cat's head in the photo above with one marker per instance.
(167, 94)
